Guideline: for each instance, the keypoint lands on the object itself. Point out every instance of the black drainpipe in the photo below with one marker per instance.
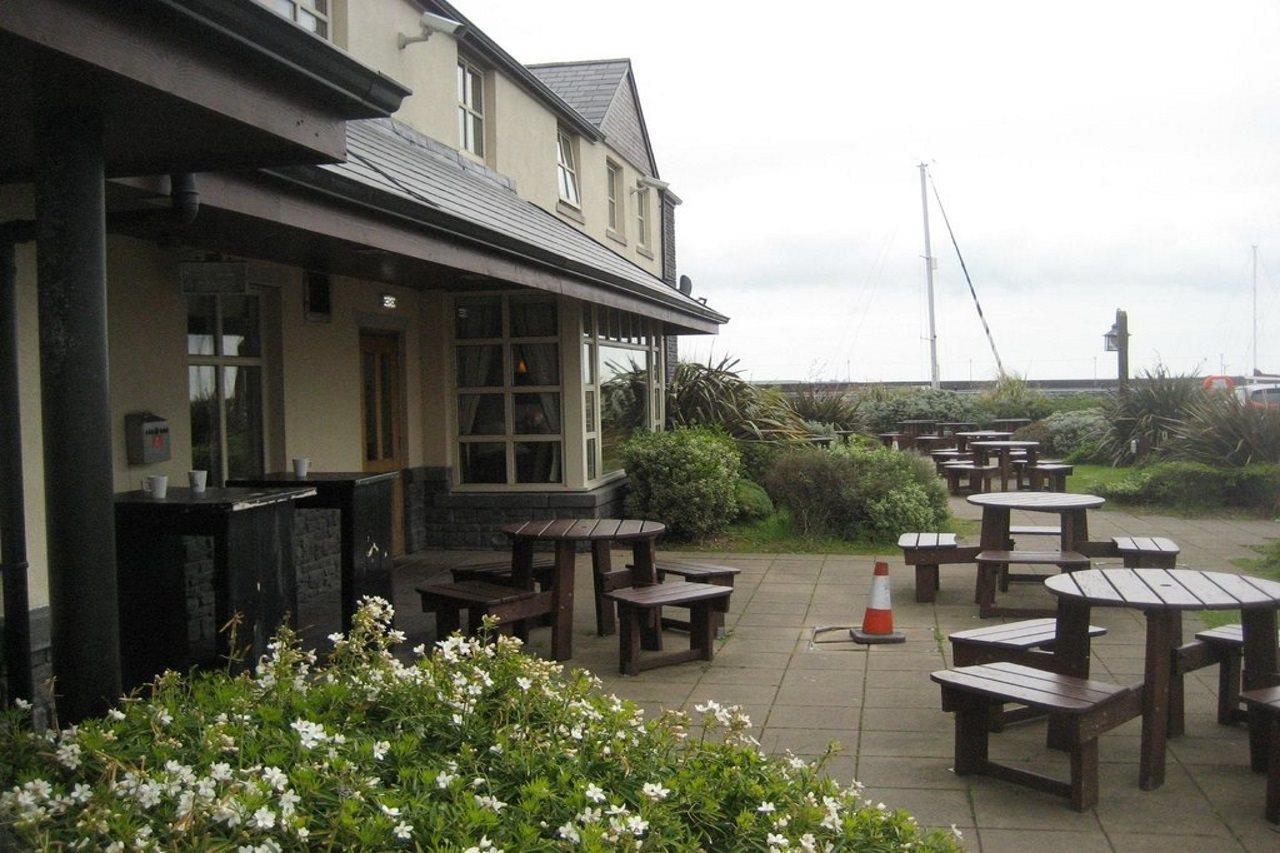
(13, 524)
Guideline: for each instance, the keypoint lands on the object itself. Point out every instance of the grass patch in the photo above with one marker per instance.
(1086, 479)
(776, 535)
(1265, 565)
(1090, 479)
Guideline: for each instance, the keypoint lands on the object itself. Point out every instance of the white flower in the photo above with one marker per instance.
(524, 683)
(389, 811)
(289, 800)
(68, 755)
(655, 791)
(380, 750)
(956, 832)
(310, 734)
(766, 808)
(221, 771)
(275, 777)
(444, 780)
(808, 843)
(403, 831)
(485, 844)
(163, 717)
(488, 802)
(264, 818)
(113, 713)
(637, 825)
(569, 833)
(595, 794)
(336, 637)
(775, 840)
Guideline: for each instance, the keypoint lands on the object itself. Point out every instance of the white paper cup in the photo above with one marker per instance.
(198, 481)
(301, 465)
(158, 486)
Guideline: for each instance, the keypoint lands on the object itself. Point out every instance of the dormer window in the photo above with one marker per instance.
(311, 15)
(470, 108)
(567, 169)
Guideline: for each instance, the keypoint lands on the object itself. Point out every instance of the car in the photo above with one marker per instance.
(1259, 395)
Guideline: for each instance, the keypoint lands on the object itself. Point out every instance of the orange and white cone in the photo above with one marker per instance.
(877, 622)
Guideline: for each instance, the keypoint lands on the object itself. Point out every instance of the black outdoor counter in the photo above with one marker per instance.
(253, 571)
(364, 503)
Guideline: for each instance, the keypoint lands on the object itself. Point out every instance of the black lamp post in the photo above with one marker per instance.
(1117, 340)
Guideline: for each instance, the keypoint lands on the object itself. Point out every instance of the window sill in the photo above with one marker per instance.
(644, 251)
(615, 236)
(569, 211)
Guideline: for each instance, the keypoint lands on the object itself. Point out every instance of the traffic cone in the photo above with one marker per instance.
(877, 622)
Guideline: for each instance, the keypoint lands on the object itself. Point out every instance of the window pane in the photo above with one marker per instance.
(535, 364)
(283, 7)
(241, 327)
(537, 414)
(588, 364)
(589, 404)
(533, 319)
(483, 462)
(588, 328)
(591, 459)
(206, 442)
(478, 317)
(481, 414)
(243, 389)
(475, 136)
(201, 324)
(624, 400)
(307, 20)
(475, 92)
(480, 366)
(537, 462)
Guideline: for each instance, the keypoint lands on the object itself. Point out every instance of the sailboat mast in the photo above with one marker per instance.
(934, 380)
(1255, 309)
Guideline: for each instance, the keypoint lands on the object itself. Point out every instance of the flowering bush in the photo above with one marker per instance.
(473, 747)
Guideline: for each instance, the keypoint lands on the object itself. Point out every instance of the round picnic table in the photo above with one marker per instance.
(1162, 595)
(963, 438)
(1070, 507)
(1004, 450)
(953, 427)
(565, 534)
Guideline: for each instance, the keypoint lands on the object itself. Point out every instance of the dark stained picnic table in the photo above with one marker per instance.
(1162, 595)
(1070, 507)
(1004, 450)
(565, 534)
(963, 438)
(953, 427)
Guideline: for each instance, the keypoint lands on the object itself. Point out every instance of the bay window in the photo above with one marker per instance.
(622, 376)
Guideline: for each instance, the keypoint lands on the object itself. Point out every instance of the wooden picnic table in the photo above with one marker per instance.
(953, 427)
(565, 534)
(929, 443)
(1162, 595)
(1011, 424)
(963, 438)
(1004, 450)
(1070, 507)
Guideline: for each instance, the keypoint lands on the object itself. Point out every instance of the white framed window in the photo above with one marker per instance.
(613, 190)
(623, 381)
(470, 108)
(507, 390)
(642, 215)
(566, 168)
(225, 384)
(311, 15)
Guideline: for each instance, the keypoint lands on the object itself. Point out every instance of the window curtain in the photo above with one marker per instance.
(475, 365)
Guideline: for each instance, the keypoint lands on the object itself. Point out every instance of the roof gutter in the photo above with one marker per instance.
(361, 91)
(354, 192)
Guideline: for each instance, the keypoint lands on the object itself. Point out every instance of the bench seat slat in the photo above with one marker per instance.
(1022, 693)
(1034, 558)
(1026, 634)
(674, 593)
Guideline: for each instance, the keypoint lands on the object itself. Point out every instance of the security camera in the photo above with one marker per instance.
(430, 23)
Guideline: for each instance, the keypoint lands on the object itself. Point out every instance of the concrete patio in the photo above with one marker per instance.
(881, 706)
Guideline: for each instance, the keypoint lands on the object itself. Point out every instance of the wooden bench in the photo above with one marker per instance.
(928, 551)
(1223, 646)
(1147, 552)
(511, 606)
(696, 573)
(499, 571)
(1086, 708)
(638, 605)
(978, 474)
(993, 572)
(1049, 476)
(942, 457)
(1264, 715)
(1029, 642)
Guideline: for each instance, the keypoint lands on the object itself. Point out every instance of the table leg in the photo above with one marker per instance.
(1177, 702)
(1006, 463)
(522, 563)
(562, 600)
(1071, 650)
(644, 573)
(1260, 670)
(1161, 641)
(995, 528)
(1075, 528)
(602, 564)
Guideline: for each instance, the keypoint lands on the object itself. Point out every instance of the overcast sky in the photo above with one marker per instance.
(1091, 156)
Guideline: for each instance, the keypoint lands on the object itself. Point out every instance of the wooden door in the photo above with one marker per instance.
(382, 415)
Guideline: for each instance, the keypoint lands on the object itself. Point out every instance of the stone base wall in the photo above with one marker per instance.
(454, 519)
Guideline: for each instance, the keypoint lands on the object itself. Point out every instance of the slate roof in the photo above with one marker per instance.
(395, 159)
(588, 86)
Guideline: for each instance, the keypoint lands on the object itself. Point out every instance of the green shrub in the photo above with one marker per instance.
(753, 501)
(1013, 397)
(883, 408)
(1194, 484)
(1220, 430)
(858, 493)
(473, 745)
(1065, 433)
(1141, 420)
(758, 456)
(717, 397)
(816, 404)
(684, 478)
